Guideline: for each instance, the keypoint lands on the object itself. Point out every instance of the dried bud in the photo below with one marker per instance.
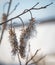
(4, 18)
(25, 36)
(13, 41)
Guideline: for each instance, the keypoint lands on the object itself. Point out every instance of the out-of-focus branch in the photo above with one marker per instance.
(38, 60)
(32, 57)
(5, 17)
(28, 11)
(43, 7)
(9, 7)
(28, 53)
(35, 5)
(21, 21)
(19, 59)
(14, 8)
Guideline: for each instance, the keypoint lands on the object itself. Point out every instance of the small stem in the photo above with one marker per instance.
(9, 7)
(32, 57)
(19, 59)
(21, 21)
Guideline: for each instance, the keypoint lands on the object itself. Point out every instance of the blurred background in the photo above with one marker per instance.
(44, 38)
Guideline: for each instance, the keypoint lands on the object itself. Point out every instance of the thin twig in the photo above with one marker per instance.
(11, 24)
(21, 21)
(32, 57)
(26, 12)
(29, 11)
(28, 53)
(5, 24)
(19, 59)
(14, 8)
(9, 7)
(37, 60)
(35, 4)
(43, 7)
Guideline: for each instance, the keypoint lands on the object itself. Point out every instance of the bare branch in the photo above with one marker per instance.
(21, 21)
(1, 36)
(28, 53)
(14, 8)
(19, 59)
(9, 7)
(43, 7)
(26, 12)
(29, 11)
(32, 57)
(5, 17)
(38, 60)
(11, 24)
(35, 4)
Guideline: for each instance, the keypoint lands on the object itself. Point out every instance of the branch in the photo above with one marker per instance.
(27, 11)
(19, 59)
(43, 7)
(21, 21)
(9, 7)
(35, 4)
(32, 57)
(14, 8)
(28, 53)
(37, 60)
(4, 21)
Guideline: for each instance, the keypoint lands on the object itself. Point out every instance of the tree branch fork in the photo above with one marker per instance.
(27, 10)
